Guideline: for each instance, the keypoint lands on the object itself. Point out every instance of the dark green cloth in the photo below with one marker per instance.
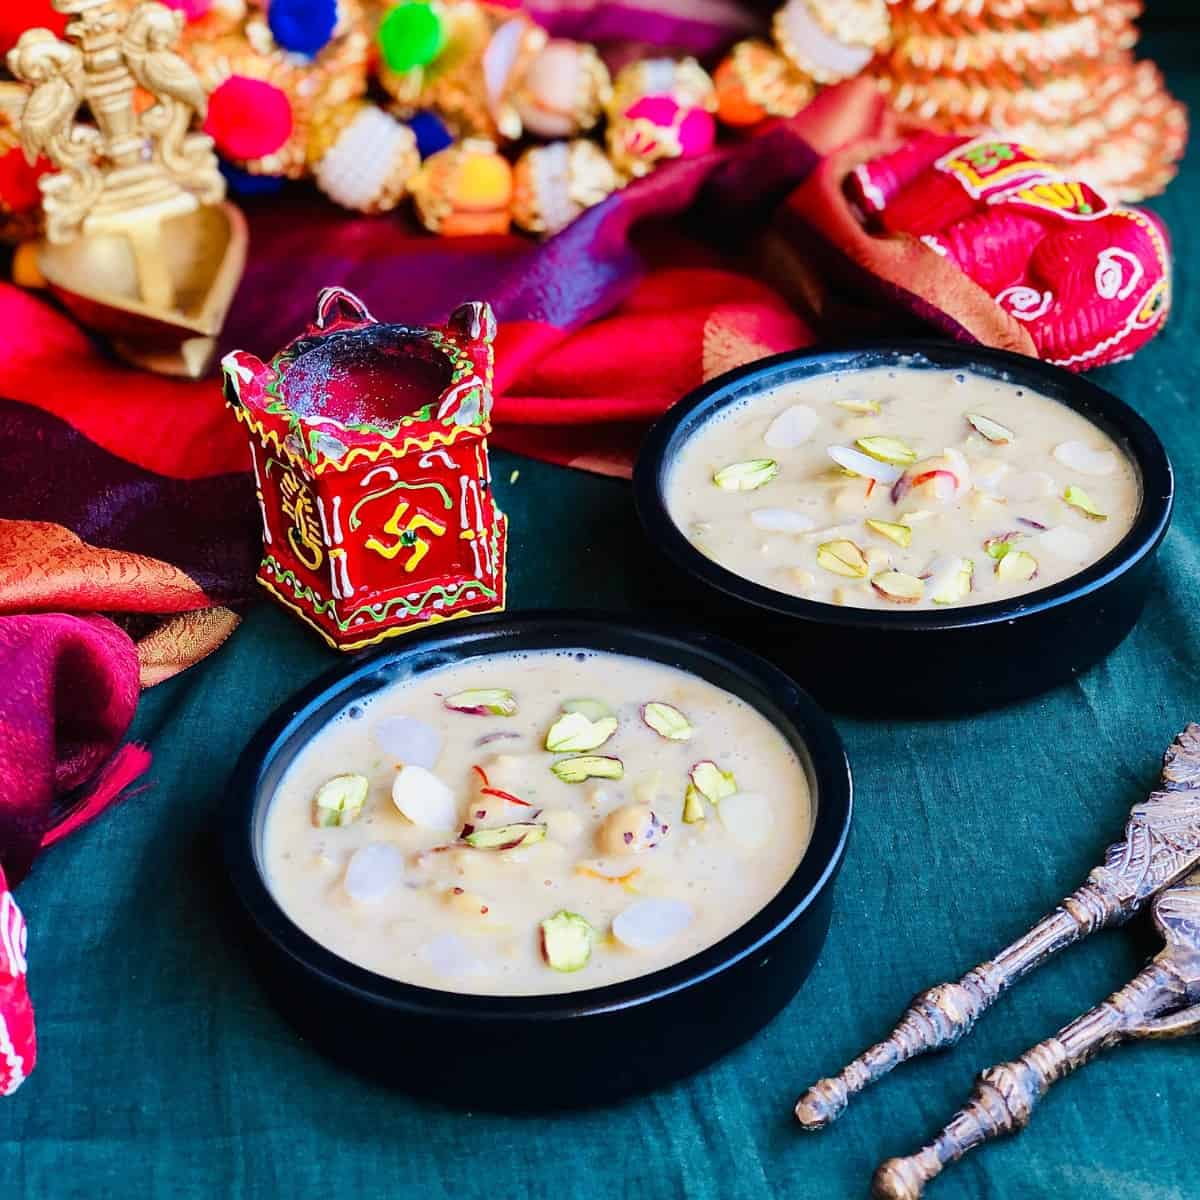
(164, 1072)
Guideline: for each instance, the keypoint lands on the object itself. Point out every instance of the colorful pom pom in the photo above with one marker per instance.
(411, 35)
(431, 133)
(248, 118)
(16, 16)
(192, 10)
(697, 133)
(303, 26)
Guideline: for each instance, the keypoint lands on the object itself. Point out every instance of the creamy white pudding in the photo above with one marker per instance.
(903, 488)
(536, 822)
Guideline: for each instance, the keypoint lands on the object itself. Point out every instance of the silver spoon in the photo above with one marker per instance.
(1161, 846)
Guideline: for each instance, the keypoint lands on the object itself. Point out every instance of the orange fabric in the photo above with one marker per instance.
(45, 567)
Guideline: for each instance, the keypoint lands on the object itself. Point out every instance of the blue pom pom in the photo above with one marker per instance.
(431, 133)
(302, 26)
(242, 183)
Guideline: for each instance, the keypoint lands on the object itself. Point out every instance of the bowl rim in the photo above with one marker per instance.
(1130, 430)
(565, 629)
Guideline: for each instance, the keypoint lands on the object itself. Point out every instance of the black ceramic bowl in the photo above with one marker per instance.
(953, 661)
(540, 1052)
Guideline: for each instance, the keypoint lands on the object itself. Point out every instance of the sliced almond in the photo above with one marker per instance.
(781, 520)
(1079, 456)
(793, 427)
(372, 872)
(1001, 435)
(1064, 542)
(748, 818)
(651, 922)
(858, 463)
(424, 799)
(951, 581)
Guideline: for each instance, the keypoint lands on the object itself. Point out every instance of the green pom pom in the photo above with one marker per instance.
(411, 35)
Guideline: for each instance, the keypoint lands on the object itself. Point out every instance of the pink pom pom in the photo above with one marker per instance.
(697, 133)
(248, 118)
(193, 10)
(658, 110)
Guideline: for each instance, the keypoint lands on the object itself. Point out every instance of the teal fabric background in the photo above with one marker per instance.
(164, 1072)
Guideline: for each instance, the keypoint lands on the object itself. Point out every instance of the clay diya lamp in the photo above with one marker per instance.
(369, 448)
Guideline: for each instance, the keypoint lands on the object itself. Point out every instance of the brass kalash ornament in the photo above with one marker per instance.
(139, 246)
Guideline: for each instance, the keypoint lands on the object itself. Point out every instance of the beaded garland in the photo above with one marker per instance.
(290, 96)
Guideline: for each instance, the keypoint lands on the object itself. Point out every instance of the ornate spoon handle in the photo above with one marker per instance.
(1162, 1001)
(1161, 845)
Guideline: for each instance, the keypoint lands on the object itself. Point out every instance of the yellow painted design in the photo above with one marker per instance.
(431, 441)
(304, 535)
(406, 536)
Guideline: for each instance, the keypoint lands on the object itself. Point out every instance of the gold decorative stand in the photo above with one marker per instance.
(139, 245)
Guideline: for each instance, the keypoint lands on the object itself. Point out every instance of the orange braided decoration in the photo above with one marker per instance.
(1058, 74)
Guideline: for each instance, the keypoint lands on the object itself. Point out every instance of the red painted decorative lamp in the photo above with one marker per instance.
(369, 448)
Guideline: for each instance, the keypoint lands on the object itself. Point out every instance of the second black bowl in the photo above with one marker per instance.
(912, 663)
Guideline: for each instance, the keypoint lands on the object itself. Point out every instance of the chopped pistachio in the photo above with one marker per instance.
(992, 430)
(567, 940)
(667, 721)
(746, 476)
(340, 800)
(594, 710)
(842, 557)
(861, 407)
(693, 805)
(900, 534)
(1076, 497)
(1016, 565)
(711, 782)
(573, 732)
(916, 516)
(483, 702)
(888, 449)
(588, 766)
(1000, 545)
(898, 587)
(507, 837)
